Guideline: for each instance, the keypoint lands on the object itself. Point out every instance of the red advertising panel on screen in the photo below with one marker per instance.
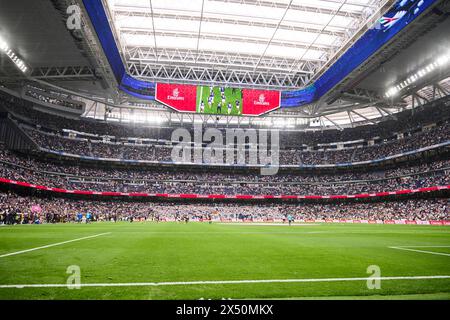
(180, 97)
(257, 102)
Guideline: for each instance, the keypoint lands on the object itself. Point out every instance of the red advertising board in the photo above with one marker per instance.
(180, 97)
(258, 102)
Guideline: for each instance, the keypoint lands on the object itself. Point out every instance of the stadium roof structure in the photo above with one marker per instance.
(289, 46)
(281, 44)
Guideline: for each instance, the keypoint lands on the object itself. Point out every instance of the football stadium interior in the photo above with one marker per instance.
(224, 149)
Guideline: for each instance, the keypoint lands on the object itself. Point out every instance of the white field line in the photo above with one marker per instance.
(424, 247)
(187, 283)
(408, 248)
(52, 245)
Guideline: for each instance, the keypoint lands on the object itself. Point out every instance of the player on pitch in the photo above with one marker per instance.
(290, 219)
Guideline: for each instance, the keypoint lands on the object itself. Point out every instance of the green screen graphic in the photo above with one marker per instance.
(219, 100)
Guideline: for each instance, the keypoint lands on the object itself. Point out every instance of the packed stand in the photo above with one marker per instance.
(405, 121)
(432, 136)
(71, 176)
(16, 209)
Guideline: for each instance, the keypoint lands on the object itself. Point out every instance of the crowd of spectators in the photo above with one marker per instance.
(53, 100)
(71, 176)
(405, 121)
(24, 210)
(85, 147)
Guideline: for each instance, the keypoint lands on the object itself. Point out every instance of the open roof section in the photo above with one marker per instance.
(282, 43)
(374, 42)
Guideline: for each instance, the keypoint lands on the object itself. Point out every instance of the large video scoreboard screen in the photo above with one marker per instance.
(217, 100)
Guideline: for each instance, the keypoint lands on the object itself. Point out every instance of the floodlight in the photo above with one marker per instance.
(442, 60)
(4, 47)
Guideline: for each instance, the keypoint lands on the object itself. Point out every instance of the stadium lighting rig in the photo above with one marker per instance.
(4, 47)
(440, 62)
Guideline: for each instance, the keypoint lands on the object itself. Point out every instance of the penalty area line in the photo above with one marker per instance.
(423, 251)
(218, 282)
(52, 245)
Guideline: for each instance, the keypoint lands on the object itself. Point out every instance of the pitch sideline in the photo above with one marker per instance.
(408, 248)
(186, 283)
(52, 245)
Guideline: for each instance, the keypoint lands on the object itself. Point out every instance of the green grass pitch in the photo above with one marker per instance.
(170, 252)
(231, 96)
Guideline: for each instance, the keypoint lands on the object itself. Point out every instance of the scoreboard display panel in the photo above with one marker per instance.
(217, 100)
